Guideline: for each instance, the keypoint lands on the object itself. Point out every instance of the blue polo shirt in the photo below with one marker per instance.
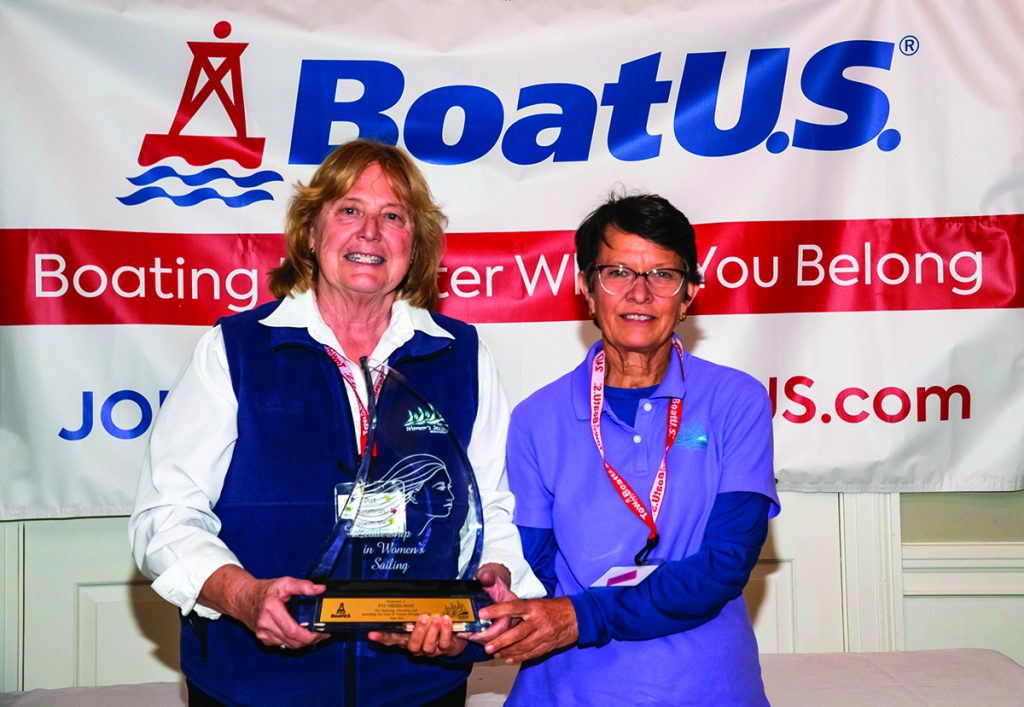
(724, 445)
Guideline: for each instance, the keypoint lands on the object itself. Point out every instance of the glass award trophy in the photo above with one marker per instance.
(409, 526)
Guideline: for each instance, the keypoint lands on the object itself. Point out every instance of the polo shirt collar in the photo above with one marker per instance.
(297, 320)
(673, 385)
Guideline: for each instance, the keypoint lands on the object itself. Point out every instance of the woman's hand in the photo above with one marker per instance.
(496, 580)
(431, 636)
(544, 625)
(260, 605)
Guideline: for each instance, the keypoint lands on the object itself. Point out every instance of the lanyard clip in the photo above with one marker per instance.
(641, 557)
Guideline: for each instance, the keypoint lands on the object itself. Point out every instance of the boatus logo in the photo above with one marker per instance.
(215, 75)
(426, 420)
(562, 122)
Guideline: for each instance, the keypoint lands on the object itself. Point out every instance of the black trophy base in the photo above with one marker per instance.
(391, 605)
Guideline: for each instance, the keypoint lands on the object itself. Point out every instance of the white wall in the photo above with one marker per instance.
(833, 577)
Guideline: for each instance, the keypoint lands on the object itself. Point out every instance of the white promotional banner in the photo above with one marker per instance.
(855, 172)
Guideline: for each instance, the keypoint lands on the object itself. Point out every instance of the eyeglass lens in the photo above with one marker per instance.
(619, 279)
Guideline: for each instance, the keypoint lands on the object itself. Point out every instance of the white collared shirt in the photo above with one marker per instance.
(173, 530)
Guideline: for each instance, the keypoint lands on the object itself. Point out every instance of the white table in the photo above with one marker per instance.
(943, 678)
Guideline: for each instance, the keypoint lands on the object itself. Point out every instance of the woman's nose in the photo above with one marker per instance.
(370, 228)
(640, 291)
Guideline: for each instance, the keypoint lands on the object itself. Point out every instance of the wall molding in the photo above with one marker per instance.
(963, 569)
(11, 605)
(771, 582)
(872, 571)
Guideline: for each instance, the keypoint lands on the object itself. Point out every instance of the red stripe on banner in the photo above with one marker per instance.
(65, 276)
(974, 262)
(511, 277)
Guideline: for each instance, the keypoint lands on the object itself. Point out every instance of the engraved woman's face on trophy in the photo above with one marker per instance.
(443, 487)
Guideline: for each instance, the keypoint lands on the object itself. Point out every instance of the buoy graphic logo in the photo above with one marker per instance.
(216, 72)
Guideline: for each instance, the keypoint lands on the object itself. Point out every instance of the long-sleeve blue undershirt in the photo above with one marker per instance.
(681, 594)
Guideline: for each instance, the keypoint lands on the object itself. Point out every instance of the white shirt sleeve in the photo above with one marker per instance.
(486, 453)
(173, 530)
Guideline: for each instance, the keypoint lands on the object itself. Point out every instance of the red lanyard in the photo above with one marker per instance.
(364, 415)
(626, 492)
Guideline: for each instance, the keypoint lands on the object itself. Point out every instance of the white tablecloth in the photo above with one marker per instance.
(967, 677)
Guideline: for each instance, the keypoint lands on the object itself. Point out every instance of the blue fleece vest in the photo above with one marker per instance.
(295, 443)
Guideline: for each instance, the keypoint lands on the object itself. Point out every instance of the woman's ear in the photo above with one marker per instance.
(688, 295)
(691, 293)
(584, 287)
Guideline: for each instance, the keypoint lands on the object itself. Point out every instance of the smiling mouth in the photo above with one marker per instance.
(637, 317)
(364, 259)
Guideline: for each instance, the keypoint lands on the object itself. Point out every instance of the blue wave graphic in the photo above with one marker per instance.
(195, 197)
(204, 177)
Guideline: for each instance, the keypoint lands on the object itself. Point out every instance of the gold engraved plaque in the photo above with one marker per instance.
(368, 605)
(393, 610)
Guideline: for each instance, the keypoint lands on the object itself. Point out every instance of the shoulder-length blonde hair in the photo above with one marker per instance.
(331, 181)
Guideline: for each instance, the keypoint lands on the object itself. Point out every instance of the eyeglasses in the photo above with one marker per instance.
(390, 217)
(618, 279)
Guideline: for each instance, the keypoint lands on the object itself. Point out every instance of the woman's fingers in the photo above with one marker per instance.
(389, 639)
(497, 627)
(264, 611)
(431, 636)
(545, 625)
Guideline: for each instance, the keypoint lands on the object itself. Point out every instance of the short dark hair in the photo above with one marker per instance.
(646, 215)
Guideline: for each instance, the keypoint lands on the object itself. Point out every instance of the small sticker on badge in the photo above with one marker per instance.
(625, 576)
(378, 513)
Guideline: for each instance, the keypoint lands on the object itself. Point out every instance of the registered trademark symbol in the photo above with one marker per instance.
(909, 45)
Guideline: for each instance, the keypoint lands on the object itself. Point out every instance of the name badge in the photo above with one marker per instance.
(624, 576)
(374, 514)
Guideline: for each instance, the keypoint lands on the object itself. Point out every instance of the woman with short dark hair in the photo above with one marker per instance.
(644, 484)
